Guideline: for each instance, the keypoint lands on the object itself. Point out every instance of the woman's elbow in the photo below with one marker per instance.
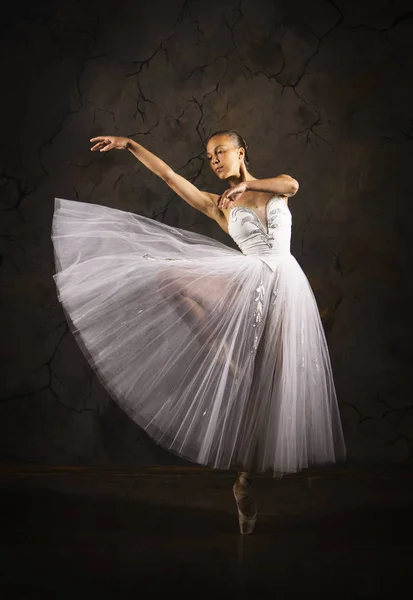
(168, 175)
(291, 185)
(294, 186)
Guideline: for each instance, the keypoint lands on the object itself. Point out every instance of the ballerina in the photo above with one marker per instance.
(219, 354)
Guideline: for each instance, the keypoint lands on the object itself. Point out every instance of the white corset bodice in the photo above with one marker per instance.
(254, 237)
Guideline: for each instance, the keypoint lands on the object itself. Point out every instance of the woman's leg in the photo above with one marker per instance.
(247, 511)
(241, 488)
(172, 287)
(198, 302)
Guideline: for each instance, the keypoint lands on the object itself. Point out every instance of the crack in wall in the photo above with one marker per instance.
(49, 141)
(181, 16)
(146, 62)
(147, 132)
(356, 409)
(23, 190)
(49, 386)
(194, 109)
(310, 130)
(396, 21)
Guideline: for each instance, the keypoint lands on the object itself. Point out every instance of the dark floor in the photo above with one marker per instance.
(100, 533)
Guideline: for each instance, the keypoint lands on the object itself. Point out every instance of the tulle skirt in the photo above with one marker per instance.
(219, 358)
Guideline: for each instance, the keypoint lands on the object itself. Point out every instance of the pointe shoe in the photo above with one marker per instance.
(246, 522)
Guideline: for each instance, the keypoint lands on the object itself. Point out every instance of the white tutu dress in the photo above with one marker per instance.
(219, 355)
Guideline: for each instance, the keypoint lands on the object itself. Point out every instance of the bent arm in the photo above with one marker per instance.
(283, 185)
(202, 201)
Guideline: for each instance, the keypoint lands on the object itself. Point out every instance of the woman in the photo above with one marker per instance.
(218, 354)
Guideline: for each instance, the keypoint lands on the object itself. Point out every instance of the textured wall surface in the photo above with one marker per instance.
(320, 90)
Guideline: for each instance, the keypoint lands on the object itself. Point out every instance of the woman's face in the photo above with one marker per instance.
(224, 157)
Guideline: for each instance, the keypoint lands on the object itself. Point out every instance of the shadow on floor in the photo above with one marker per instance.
(104, 537)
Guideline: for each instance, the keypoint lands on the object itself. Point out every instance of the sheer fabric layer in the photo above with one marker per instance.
(221, 359)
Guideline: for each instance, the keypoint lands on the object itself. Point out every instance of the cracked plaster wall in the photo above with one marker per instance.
(319, 89)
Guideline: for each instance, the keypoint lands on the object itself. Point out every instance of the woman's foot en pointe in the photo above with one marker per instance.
(247, 511)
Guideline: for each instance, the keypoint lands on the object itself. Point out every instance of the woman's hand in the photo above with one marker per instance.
(232, 194)
(109, 142)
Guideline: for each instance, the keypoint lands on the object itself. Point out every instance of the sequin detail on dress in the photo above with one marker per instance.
(253, 218)
(273, 214)
(258, 313)
(150, 257)
(278, 218)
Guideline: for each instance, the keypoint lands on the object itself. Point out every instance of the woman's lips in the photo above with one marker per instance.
(218, 169)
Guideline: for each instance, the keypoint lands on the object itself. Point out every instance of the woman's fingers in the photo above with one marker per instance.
(104, 143)
(102, 140)
(227, 198)
(108, 147)
(97, 146)
(224, 201)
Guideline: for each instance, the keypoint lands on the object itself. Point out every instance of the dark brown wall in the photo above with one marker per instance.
(320, 90)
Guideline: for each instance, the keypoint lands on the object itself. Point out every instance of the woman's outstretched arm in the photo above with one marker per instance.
(202, 201)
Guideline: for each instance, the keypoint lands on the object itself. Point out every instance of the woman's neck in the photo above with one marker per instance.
(233, 181)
